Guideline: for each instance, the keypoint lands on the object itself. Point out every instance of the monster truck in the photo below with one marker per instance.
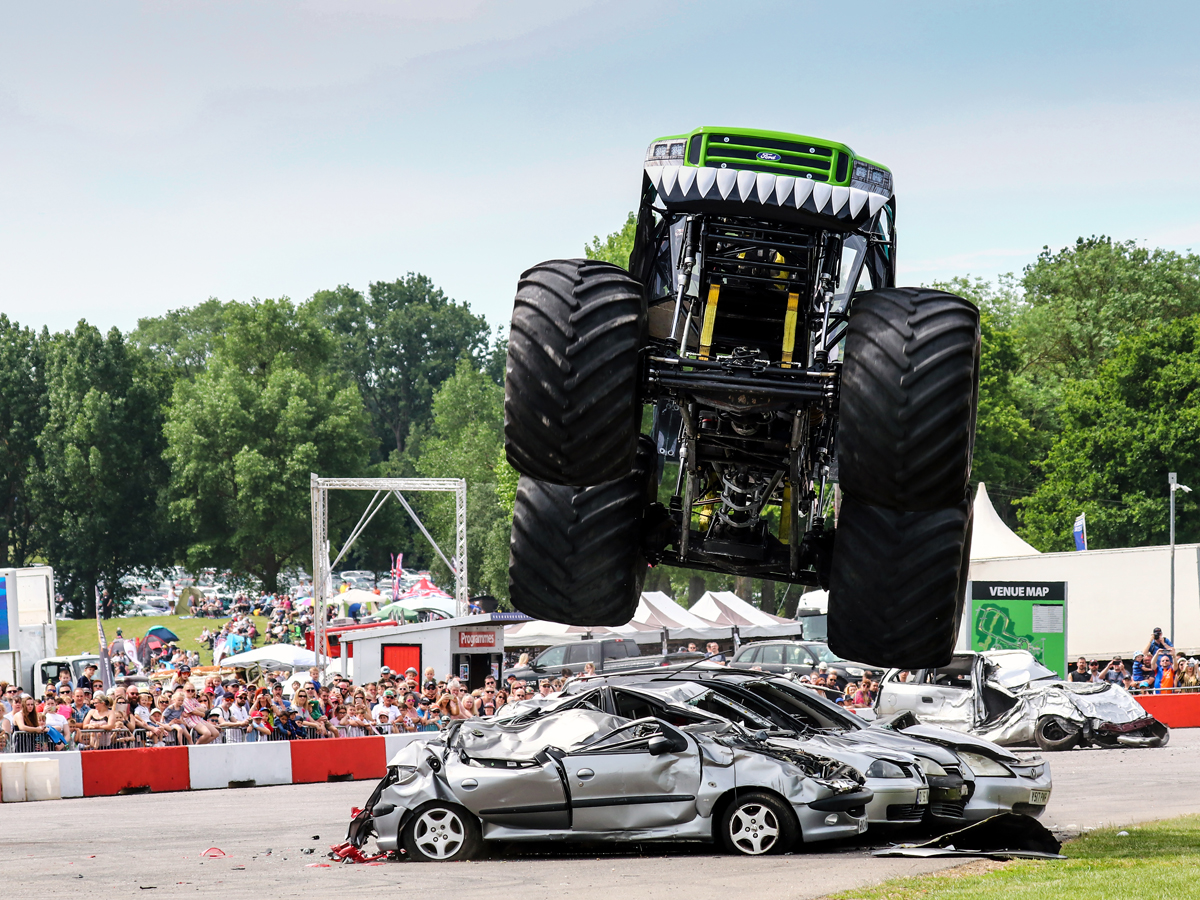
(760, 322)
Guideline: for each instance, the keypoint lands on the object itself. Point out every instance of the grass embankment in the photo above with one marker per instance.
(79, 635)
(1157, 859)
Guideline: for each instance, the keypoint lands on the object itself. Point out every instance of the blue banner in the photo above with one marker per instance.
(4, 642)
(1081, 532)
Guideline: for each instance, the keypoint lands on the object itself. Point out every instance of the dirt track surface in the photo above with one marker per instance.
(152, 845)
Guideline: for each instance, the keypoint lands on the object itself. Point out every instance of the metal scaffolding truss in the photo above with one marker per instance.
(383, 488)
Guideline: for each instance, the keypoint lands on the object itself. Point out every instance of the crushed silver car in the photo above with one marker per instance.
(963, 778)
(1008, 697)
(583, 774)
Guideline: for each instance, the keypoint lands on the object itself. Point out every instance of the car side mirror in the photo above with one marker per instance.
(665, 743)
(660, 744)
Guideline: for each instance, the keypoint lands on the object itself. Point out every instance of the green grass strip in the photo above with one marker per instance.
(79, 635)
(1156, 859)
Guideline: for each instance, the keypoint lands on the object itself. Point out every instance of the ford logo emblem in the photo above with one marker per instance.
(770, 157)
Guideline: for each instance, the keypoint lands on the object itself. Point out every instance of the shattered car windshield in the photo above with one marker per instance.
(815, 711)
(1015, 668)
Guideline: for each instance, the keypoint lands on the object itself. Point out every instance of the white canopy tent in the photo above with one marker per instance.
(656, 612)
(991, 538)
(284, 654)
(726, 609)
(536, 633)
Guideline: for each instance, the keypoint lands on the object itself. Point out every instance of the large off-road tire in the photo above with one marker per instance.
(576, 552)
(897, 590)
(571, 410)
(908, 395)
(1055, 733)
(757, 823)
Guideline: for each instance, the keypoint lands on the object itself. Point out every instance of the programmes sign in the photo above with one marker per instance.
(476, 640)
(1021, 615)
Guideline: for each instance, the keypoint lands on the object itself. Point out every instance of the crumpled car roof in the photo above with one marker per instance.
(566, 730)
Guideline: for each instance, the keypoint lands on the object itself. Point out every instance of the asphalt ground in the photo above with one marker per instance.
(153, 845)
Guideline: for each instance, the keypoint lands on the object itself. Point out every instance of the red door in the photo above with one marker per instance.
(399, 657)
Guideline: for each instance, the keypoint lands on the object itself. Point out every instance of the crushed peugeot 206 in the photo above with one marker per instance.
(580, 774)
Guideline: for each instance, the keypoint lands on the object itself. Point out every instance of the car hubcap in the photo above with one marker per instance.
(753, 829)
(439, 833)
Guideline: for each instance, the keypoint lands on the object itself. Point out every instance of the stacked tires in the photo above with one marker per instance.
(906, 429)
(571, 425)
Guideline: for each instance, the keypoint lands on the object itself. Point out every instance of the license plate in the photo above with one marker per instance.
(923, 797)
(862, 824)
(1039, 798)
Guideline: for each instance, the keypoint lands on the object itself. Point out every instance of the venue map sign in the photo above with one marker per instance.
(1021, 615)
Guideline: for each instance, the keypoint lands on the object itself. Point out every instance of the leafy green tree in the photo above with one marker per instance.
(1012, 431)
(616, 247)
(22, 417)
(243, 436)
(400, 343)
(1123, 431)
(99, 491)
(184, 337)
(465, 440)
(1082, 300)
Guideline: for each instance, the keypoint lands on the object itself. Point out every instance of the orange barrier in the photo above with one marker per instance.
(357, 759)
(157, 769)
(1174, 710)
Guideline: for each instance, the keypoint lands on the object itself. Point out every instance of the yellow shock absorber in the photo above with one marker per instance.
(710, 319)
(789, 329)
(785, 516)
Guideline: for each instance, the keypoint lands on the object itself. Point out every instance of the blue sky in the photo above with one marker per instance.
(156, 154)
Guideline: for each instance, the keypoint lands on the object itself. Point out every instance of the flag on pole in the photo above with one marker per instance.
(106, 673)
(1081, 532)
(397, 571)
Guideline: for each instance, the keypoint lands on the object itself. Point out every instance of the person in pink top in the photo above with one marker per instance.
(194, 713)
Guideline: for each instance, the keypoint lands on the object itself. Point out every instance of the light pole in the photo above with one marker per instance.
(1174, 486)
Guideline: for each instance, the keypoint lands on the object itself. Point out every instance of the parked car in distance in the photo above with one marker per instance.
(606, 655)
(796, 658)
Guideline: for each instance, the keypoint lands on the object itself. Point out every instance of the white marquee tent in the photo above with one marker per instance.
(991, 538)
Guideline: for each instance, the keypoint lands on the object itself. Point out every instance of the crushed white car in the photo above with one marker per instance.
(1008, 697)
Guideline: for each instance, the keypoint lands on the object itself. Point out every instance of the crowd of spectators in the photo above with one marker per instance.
(176, 708)
(1157, 669)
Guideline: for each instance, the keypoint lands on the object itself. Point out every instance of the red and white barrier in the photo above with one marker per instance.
(239, 765)
(97, 773)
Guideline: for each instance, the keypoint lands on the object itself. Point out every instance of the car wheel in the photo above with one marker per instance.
(756, 824)
(441, 832)
(1055, 733)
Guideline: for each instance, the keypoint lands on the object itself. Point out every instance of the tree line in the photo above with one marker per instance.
(190, 439)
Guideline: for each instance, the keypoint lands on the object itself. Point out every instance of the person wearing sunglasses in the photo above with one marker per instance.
(100, 722)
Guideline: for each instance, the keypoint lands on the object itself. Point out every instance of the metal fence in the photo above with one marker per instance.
(178, 734)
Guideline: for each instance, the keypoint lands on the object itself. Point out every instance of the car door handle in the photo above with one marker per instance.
(585, 774)
(926, 699)
(469, 784)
